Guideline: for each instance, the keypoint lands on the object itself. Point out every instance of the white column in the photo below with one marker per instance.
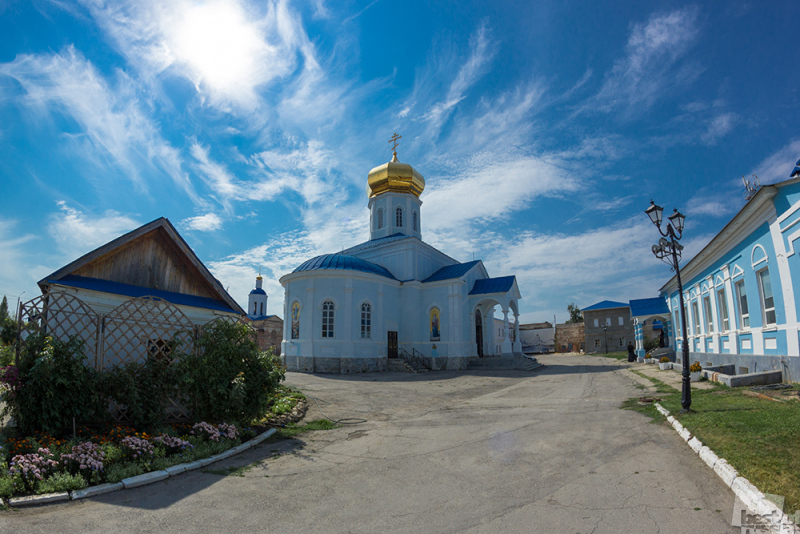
(506, 347)
(517, 347)
(787, 291)
(733, 316)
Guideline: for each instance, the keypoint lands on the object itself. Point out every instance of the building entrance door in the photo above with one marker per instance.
(392, 337)
(479, 332)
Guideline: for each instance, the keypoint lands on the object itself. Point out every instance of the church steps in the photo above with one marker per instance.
(524, 363)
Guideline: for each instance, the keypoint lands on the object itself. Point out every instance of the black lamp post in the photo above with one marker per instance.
(605, 338)
(669, 250)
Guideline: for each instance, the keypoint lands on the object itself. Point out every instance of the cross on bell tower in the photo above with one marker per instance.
(395, 138)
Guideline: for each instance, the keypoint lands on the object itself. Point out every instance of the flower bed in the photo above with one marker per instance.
(42, 464)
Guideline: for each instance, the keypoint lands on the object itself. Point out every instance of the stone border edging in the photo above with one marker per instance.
(139, 480)
(742, 488)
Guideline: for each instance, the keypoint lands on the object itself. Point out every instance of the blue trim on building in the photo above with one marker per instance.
(492, 285)
(449, 272)
(646, 307)
(128, 290)
(343, 262)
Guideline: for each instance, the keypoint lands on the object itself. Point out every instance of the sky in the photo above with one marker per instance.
(542, 129)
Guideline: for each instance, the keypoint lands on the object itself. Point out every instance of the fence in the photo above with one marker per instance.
(137, 329)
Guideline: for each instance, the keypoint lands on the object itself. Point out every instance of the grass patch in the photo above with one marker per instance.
(615, 355)
(661, 386)
(294, 430)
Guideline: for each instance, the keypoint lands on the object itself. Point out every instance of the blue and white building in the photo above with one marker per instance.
(741, 290)
(351, 311)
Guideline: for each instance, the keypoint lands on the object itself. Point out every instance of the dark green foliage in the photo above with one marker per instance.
(61, 482)
(229, 379)
(55, 386)
(574, 313)
(8, 326)
(143, 388)
(650, 343)
(4, 309)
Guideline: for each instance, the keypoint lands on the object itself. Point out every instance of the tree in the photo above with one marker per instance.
(3, 309)
(574, 313)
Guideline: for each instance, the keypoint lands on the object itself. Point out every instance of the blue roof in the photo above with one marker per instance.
(456, 270)
(644, 307)
(128, 290)
(258, 291)
(605, 305)
(492, 285)
(375, 243)
(259, 317)
(343, 262)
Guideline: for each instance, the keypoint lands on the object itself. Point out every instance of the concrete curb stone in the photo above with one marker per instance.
(147, 478)
(33, 500)
(176, 469)
(750, 495)
(91, 491)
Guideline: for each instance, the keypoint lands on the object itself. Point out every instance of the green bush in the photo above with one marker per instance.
(6, 486)
(143, 388)
(117, 472)
(55, 386)
(61, 482)
(228, 378)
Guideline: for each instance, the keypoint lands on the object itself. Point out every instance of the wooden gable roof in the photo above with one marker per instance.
(154, 257)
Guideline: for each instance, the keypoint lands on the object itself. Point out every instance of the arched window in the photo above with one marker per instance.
(255, 308)
(380, 218)
(416, 225)
(366, 321)
(398, 216)
(262, 308)
(327, 319)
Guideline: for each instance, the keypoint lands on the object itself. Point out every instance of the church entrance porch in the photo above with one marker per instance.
(392, 347)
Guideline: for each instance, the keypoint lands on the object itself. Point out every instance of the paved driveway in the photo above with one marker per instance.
(439, 452)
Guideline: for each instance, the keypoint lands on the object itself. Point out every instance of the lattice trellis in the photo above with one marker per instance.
(62, 316)
(146, 327)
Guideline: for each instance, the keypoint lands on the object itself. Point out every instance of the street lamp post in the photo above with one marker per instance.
(669, 251)
(605, 338)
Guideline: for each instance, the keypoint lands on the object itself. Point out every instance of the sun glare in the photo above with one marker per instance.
(223, 48)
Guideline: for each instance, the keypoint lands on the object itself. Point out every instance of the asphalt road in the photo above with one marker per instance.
(485, 452)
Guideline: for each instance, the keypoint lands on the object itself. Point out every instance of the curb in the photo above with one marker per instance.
(137, 481)
(742, 488)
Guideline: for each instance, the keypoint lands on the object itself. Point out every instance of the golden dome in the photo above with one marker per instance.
(396, 177)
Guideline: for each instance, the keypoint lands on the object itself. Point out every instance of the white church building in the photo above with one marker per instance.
(395, 295)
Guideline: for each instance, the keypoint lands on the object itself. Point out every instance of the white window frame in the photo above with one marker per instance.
(722, 309)
(762, 296)
(696, 317)
(366, 321)
(744, 317)
(328, 315)
(415, 216)
(380, 218)
(621, 321)
(708, 314)
(398, 217)
(596, 323)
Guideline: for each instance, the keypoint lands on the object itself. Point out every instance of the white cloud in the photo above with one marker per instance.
(229, 49)
(778, 166)
(719, 127)
(76, 233)
(112, 124)
(210, 222)
(648, 69)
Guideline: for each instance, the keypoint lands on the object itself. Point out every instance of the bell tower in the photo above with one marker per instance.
(257, 302)
(394, 205)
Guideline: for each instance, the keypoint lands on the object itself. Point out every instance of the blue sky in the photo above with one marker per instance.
(542, 129)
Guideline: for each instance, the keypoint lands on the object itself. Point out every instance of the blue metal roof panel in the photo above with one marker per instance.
(375, 242)
(492, 285)
(128, 290)
(258, 291)
(448, 272)
(605, 304)
(343, 262)
(643, 307)
(259, 317)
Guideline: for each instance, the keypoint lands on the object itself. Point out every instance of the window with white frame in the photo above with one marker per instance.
(608, 321)
(416, 222)
(677, 324)
(744, 311)
(696, 316)
(398, 217)
(709, 319)
(596, 323)
(596, 343)
(621, 321)
(767, 300)
(722, 308)
(327, 319)
(380, 218)
(366, 321)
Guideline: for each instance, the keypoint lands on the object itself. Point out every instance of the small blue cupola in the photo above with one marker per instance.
(257, 303)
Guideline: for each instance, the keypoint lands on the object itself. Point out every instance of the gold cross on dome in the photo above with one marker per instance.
(394, 140)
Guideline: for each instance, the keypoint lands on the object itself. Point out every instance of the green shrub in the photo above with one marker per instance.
(117, 472)
(55, 386)
(61, 482)
(6, 486)
(228, 378)
(143, 388)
